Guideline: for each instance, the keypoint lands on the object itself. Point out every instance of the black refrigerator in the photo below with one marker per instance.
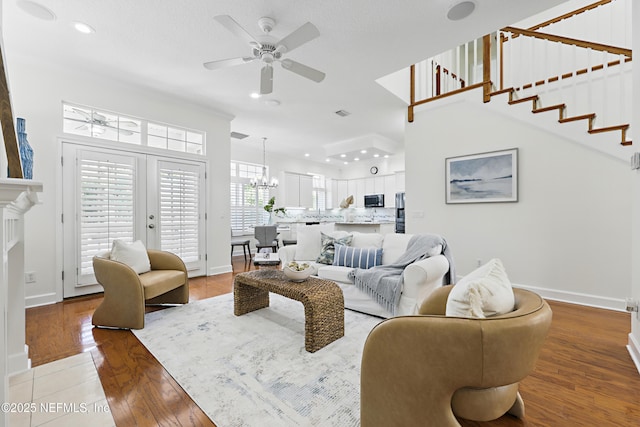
(399, 212)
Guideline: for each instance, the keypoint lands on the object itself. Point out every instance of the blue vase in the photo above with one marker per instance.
(26, 152)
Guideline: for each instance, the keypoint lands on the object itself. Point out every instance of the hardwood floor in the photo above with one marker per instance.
(584, 376)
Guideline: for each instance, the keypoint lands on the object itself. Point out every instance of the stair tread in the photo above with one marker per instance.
(574, 118)
(609, 129)
(528, 98)
(549, 108)
(625, 143)
(501, 91)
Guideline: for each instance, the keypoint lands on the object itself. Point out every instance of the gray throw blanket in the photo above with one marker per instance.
(384, 282)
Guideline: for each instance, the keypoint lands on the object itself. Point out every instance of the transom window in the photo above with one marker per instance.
(107, 125)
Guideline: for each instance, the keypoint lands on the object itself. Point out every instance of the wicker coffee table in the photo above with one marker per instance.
(322, 299)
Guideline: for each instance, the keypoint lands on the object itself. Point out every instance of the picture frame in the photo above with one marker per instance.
(490, 177)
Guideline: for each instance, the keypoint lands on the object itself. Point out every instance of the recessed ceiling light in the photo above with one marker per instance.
(306, 154)
(36, 10)
(376, 155)
(83, 28)
(461, 10)
(363, 151)
(343, 155)
(346, 163)
(342, 113)
(386, 156)
(356, 159)
(255, 95)
(327, 160)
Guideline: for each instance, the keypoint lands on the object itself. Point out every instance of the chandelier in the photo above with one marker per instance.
(263, 181)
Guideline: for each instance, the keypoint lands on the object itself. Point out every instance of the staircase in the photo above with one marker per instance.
(585, 83)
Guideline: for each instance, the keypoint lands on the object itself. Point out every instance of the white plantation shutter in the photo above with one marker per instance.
(179, 213)
(106, 205)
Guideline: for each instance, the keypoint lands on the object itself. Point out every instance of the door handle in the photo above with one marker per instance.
(152, 226)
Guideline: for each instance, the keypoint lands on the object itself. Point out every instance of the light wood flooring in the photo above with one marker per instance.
(584, 376)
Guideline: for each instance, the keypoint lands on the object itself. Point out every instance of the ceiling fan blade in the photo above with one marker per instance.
(230, 24)
(302, 35)
(266, 80)
(222, 63)
(303, 70)
(82, 113)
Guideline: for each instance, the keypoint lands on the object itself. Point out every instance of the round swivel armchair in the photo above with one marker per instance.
(428, 369)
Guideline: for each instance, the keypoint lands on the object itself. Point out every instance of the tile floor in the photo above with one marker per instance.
(66, 393)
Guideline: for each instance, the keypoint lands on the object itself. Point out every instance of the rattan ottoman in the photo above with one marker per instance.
(322, 300)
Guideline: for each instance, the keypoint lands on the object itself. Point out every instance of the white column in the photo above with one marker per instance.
(17, 196)
(634, 336)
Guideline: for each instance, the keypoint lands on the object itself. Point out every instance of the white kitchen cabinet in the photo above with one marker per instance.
(296, 191)
(342, 191)
(359, 196)
(352, 191)
(306, 191)
(369, 186)
(378, 185)
(390, 191)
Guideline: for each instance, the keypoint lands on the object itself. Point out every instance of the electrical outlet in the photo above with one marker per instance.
(30, 277)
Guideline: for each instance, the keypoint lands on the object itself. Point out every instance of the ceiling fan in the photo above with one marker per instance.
(269, 52)
(98, 119)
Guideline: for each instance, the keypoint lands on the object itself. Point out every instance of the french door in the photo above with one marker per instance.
(110, 194)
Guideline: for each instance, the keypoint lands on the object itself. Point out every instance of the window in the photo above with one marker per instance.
(319, 193)
(247, 203)
(88, 121)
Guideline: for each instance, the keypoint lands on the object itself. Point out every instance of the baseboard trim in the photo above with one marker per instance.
(38, 300)
(634, 351)
(220, 269)
(18, 362)
(597, 301)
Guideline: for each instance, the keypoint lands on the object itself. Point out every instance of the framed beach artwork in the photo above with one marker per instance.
(482, 178)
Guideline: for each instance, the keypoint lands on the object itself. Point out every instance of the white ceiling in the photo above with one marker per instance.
(162, 44)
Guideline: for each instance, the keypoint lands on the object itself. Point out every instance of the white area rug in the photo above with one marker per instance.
(253, 370)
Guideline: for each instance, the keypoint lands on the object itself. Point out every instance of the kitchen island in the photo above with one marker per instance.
(367, 227)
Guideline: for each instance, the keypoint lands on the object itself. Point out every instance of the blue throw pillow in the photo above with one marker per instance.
(348, 256)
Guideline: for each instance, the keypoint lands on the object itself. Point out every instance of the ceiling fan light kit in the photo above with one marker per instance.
(268, 52)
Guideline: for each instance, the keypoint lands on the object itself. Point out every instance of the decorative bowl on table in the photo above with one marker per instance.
(297, 272)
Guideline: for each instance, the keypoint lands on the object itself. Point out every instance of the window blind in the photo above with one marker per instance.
(179, 212)
(106, 207)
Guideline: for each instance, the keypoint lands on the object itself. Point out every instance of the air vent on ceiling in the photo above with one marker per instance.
(238, 135)
(342, 113)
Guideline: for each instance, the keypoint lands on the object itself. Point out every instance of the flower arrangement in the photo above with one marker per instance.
(269, 207)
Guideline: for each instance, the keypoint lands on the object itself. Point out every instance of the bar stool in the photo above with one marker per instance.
(245, 243)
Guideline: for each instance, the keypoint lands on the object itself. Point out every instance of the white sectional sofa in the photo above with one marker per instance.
(420, 277)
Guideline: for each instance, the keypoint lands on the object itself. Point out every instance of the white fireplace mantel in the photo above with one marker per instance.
(17, 196)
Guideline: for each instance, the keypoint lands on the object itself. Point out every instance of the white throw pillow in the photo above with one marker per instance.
(132, 254)
(366, 240)
(309, 243)
(484, 292)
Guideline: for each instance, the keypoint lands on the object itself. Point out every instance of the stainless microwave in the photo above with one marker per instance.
(374, 201)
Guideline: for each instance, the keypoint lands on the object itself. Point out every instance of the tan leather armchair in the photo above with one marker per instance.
(427, 369)
(126, 293)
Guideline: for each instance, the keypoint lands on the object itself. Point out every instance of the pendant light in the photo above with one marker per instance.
(263, 181)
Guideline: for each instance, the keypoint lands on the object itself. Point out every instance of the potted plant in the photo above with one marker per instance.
(274, 211)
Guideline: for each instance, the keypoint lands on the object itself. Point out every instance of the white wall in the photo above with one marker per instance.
(634, 336)
(568, 236)
(38, 90)
(278, 163)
